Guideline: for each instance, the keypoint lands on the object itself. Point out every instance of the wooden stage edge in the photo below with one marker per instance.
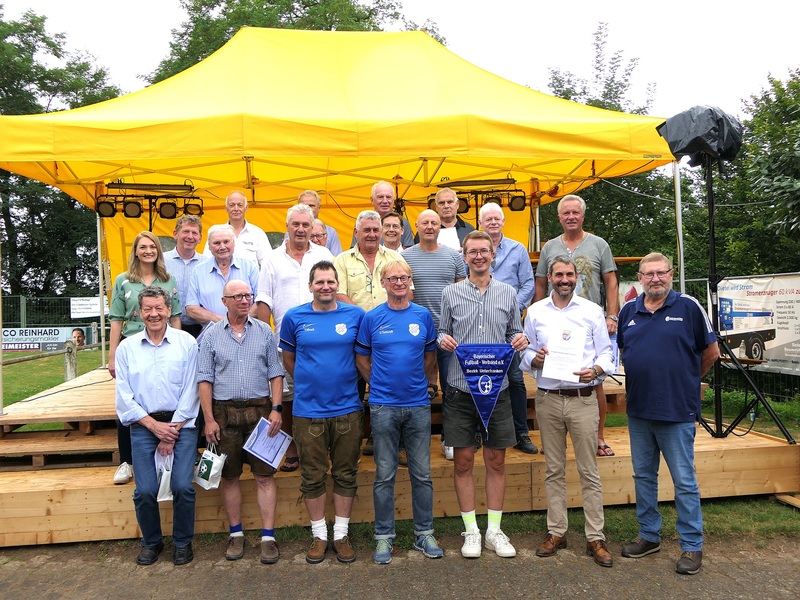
(82, 504)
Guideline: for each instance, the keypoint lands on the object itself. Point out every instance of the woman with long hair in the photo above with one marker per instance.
(145, 267)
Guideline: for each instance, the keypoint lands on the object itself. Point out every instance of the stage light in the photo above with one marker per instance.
(151, 187)
(131, 209)
(191, 208)
(494, 199)
(463, 204)
(106, 209)
(168, 209)
(517, 202)
(432, 202)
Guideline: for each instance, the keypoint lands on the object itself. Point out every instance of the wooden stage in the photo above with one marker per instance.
(51, 503)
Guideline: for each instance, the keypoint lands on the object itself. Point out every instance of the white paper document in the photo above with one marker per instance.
(565, 346)
(268, 449)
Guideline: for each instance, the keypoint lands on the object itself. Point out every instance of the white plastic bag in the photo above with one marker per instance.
(209, 469)
(164, 476)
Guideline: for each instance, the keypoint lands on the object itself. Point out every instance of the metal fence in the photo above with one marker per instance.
(20, 311)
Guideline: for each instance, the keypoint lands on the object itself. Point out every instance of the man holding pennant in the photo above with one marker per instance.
(480, 311)
(570, 352)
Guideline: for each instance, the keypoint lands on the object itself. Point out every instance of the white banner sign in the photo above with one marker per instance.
(760, 318)
(86, 308)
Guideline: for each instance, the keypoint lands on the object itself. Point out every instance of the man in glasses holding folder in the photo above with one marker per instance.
(240, 380)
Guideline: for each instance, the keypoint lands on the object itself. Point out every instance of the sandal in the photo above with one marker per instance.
(605, 450)
(290, 464)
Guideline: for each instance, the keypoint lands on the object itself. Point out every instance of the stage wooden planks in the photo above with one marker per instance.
(82, 504)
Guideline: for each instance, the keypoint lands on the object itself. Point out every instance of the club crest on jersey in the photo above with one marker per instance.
(341, 328)
(413, 329)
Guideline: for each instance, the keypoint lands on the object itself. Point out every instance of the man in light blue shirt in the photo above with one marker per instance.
(512, 265)
(204, 297)
(182, 260)
(156, 395)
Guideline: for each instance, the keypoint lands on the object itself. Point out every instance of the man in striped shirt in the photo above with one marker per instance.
(479, 310)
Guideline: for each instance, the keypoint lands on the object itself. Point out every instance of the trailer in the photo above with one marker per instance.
(742, 322)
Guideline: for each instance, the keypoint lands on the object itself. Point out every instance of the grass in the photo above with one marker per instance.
(23, 380)
(758, 517)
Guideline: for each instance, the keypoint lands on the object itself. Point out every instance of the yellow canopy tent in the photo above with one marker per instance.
(275, 112)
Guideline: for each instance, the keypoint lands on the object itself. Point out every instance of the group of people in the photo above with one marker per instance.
(376, 328)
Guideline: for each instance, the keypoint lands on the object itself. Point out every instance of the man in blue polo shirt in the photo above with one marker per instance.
(668, 344)
(318, 342)
(394, 333)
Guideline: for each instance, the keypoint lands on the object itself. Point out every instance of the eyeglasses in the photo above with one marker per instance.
(395, 278)
(481, 252)
(240, 297)
(392, 226)
(318, 236)
(655, 274)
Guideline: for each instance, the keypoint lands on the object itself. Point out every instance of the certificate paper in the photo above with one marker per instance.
(268, 449)
(565, 353)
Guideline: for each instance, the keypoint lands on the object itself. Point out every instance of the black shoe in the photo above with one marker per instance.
(690, 563)
(524, 444)
(639, 548)
(183, 556)
(149, 554)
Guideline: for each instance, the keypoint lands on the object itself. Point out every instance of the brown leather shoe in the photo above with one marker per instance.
(235, 549)
(599, 551)
(316, 553)
(344, 551)
(269, 552)
(551, 545)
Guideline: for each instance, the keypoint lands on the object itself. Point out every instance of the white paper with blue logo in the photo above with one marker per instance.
(565, 347)
(269, 449)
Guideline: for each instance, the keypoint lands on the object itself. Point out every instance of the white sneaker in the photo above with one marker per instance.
(447, 451)
(498, 541)
(123, 474)
(472, 544)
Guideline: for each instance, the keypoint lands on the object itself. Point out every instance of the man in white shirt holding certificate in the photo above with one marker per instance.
(569, 352)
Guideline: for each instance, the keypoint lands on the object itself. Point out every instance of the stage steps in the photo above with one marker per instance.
(58, 449)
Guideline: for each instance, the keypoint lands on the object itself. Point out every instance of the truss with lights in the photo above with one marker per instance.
(167, 201)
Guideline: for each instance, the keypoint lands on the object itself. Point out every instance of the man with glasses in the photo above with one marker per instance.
(331, 239)
(358, 271)
(668, 345)
(596, 267)
(435, 267)
(392, 229)
(479, 310)
(240, 380)
(399, 332)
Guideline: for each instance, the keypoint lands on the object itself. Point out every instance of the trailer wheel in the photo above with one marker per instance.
(755, 348)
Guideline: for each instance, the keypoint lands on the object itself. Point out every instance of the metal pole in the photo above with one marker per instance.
(2, 398)
(100, 292)
(676, 178)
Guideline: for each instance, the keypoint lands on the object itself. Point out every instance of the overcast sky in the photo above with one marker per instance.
(715, 53)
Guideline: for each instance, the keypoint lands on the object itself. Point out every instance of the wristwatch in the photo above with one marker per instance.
(613, 318)
(278, 408)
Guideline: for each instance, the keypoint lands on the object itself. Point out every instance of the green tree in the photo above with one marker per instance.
(635, 214)
(610, 83)
(211, 23)
(49, 241)
(772, 142)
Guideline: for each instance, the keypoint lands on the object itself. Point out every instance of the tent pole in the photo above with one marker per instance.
(100, 292)
(676, 178)
(2, 396)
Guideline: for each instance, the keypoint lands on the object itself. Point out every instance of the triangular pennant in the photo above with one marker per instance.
(484, 367)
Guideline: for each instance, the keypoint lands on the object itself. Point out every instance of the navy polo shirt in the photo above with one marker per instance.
(662, 355)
